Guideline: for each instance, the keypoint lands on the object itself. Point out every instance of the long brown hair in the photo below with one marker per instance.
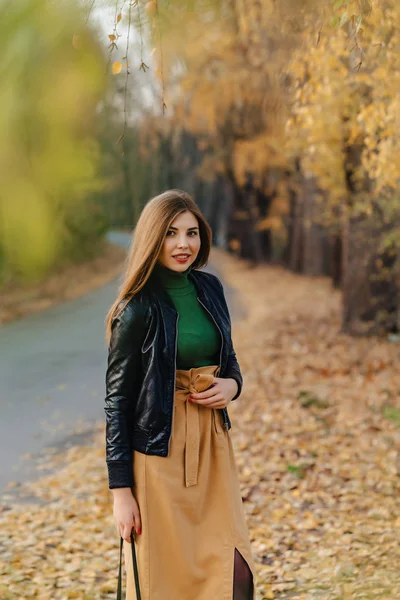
(147, 241)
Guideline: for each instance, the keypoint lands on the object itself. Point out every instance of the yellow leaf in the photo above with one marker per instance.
(116, 67)
(112, 37)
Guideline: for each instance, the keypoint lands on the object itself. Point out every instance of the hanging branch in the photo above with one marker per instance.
(114, 35)
(164, 106)
(89, 12)
(76, 38)
(121, 137)
(143, 65)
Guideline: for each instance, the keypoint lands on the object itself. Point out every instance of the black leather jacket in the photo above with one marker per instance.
(140, 377)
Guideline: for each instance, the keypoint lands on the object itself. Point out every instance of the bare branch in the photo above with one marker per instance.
(116, 35)
(89, 11)
(164, 106)
(122, 136)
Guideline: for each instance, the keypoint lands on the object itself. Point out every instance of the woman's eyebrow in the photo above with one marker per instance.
(189, 228)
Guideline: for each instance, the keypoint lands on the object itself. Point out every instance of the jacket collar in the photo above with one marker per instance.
(167, 307)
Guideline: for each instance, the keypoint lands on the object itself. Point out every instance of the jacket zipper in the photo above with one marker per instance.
(226, 425)
(173, 389)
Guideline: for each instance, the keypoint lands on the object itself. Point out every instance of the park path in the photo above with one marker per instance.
(52, 373)
(317, 444)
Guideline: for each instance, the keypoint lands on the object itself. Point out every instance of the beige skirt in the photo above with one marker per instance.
(190, 505)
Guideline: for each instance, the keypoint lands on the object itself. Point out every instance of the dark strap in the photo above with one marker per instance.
(135, 569)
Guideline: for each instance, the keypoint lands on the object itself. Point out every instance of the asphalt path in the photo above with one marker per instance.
(52, 373)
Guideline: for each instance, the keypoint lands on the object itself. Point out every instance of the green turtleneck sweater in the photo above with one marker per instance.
(199, 339)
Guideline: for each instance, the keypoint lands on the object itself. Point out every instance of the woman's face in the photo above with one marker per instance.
(183, 237)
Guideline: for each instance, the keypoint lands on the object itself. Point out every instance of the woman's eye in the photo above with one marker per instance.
(190, 232)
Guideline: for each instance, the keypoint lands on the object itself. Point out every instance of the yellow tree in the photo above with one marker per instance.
(279, 87)
(343, 125)
(267, 83)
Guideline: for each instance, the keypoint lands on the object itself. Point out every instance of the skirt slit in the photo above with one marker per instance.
(243, 585)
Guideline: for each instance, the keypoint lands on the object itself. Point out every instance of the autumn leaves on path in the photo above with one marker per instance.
(316, 435)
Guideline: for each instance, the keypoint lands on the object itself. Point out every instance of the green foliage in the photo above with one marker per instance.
(48, 157)
(296, 470)
(129, 173)
(392, 413)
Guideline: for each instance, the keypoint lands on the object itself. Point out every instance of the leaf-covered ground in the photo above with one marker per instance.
(317, 438)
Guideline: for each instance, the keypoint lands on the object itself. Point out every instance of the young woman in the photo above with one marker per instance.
(172, 372)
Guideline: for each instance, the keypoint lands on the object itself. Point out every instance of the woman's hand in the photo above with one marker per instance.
(218, 395)
(126, 513)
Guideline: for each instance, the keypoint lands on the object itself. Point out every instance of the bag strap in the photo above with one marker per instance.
(135, 569)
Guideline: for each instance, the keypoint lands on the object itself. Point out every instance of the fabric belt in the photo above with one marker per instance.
(199, 383)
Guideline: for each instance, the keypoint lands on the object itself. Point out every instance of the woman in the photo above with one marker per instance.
(172, 371)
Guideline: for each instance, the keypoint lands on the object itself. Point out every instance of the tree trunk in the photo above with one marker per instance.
(370, 289)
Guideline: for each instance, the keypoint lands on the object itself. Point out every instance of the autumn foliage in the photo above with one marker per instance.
(297, 101)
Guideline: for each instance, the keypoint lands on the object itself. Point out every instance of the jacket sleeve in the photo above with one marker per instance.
(232, 369)
(123, 379)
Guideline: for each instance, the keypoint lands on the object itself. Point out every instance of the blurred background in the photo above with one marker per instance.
(281, 118)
